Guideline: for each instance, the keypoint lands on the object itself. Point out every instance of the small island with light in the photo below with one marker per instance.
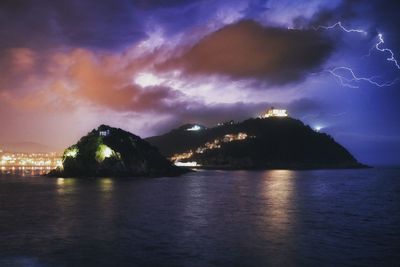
(113, 152)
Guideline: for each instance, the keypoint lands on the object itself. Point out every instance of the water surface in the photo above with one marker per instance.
(207, 218)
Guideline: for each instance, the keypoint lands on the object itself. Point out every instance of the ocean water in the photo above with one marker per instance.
(206, 218)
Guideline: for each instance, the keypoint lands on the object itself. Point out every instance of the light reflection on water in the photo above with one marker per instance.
(24, 171)
(74, 205)
(66, 185)
(278, 190)
(105, 202)
(196, 205)
(208, 218)
(66, 202)
(106, 184)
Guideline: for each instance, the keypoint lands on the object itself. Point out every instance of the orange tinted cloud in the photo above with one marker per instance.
(22, 59)
(82, 77)
(102, 82)
(249, 50)
(16, 67)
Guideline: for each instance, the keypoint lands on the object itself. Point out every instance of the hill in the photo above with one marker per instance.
(255, 144)
(108, 151)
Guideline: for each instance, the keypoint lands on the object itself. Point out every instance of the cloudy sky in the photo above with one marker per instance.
(146, 66)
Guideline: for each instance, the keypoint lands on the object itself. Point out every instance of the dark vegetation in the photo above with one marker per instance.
(276, 143)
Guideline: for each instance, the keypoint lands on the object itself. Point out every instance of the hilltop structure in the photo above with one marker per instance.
(273, 112)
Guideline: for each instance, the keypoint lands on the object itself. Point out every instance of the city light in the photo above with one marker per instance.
(215, 144)
(30, 160)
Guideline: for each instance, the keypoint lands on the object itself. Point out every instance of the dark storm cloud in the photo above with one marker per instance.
(255, 7)
(386, 19)
(178, 16)
(249, 50)
(46, 23)
(102, 24)
(154, 4)
(327, 16)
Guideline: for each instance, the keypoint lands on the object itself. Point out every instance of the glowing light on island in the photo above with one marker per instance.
(273, 112)
(104, 151)
(186, 164)
(107, 152)
(318, 128)
(194, 128)
(72, 152)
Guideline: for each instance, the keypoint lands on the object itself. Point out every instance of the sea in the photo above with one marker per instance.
(204, 218)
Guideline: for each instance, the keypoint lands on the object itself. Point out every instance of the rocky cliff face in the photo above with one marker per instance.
(108, 151)
(256, 144)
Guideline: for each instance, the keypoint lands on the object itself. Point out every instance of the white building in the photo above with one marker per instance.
(273, 112)
(104, 133)
(195, 128)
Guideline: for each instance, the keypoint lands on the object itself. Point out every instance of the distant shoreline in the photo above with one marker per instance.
(231, 168)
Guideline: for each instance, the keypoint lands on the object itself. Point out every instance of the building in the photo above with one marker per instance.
(104, 133)
(226, 123)
(195, 128)
(273, 112)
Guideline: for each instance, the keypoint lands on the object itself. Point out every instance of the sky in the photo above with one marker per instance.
(148, 66)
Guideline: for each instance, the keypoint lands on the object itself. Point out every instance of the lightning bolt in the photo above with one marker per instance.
(339, 24)
(386, 50)
(349, 82)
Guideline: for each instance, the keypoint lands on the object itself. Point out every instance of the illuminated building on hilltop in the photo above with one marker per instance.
(273, 112)
(195, 128)
(104, 133)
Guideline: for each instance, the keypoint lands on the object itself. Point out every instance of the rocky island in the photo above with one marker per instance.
(108, 151)
(268, 142)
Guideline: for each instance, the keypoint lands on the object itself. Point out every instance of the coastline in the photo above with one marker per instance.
(283, 167)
